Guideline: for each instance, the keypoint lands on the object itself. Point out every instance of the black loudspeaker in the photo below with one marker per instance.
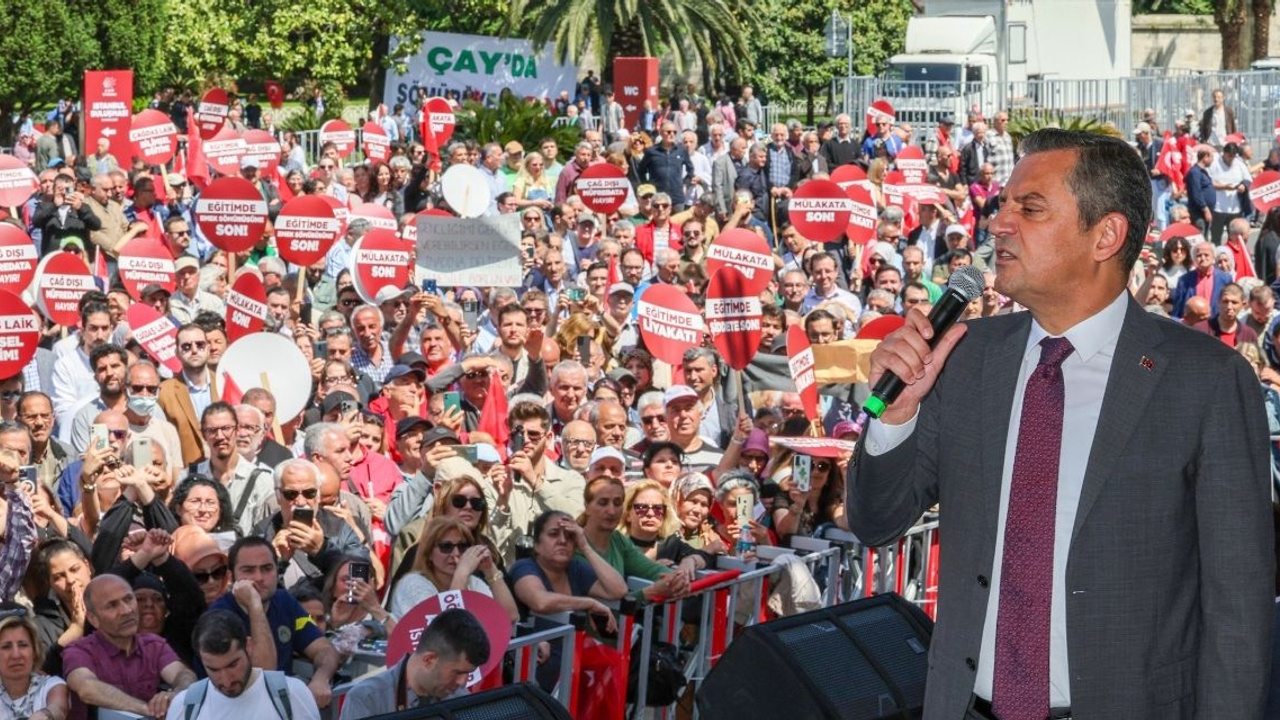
(510, 702)
(857, 661)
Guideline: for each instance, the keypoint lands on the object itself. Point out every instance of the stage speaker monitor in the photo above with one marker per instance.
(862, 660)
(510, 702)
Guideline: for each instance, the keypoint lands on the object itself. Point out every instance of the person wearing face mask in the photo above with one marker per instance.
(142, 386)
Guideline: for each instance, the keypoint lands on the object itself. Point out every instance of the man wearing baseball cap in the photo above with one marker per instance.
(190, 300)
(684, 417)
(617, 321)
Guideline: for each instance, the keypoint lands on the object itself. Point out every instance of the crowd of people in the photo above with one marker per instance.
(517, 442)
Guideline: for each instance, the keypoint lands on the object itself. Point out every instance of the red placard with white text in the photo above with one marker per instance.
(225, 150)
(232, 214)
(879, 110)
(146, 261)
(211, 113)
(379, 259)
(669, 322)
(61, 279)
(340, 134)
(153, 137)
(17, 182)
(846, 176)
(440, 112)
(747, 252)
(246, 306)
(263, 148)
(862, 215)
(19, 334)
(377, 146)
(341, 212)
(494, 620)
(156, 334)
(733, 317)
(636, 80)
(18, 260)
(305, 229)
(409, 233)
(820, 210)
(800, 360)
(603, 188)
(379, 216)
(108, 113)
(911, 162)
(1265, 190)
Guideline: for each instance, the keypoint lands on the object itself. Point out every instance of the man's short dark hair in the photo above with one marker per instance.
(819, 314)
(104, 350)
(90, 296)
(218, 632)
(887, 268)
(172, 220)
(1108, 177)
(214, 408)
(22, 399)
(249, 541)
(93, 308)
(455, 633)
(209, 321)
(511, 309)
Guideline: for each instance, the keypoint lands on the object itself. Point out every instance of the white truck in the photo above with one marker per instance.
(1055, 54)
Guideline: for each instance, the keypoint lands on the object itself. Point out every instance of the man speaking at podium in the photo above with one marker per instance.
(1102, 473)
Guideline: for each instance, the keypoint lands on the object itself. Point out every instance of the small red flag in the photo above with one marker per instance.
(231, 392)
(275, 94)
(197, 167)
(614, 275)
(493, 416)
(429, 141)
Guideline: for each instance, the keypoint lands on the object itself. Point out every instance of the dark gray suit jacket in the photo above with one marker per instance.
(1170, 578)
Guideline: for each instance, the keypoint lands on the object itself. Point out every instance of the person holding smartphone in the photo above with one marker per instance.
(310, 542)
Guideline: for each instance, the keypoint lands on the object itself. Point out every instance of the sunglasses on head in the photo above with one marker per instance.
(215, 574)
(291, 495)
(461, 501)
(447, 547)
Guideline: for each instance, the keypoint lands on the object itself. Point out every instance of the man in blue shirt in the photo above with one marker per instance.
(268, 610)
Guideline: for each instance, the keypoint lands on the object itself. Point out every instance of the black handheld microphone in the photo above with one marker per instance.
(965, 284)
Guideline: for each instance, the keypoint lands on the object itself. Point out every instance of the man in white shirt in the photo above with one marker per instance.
(1231, 179)
(247, 482)
(73, 381)
(235, 688)
(824, 267)
(1036, 443)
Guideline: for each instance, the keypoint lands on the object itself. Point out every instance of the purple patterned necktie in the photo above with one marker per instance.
(1021, 681)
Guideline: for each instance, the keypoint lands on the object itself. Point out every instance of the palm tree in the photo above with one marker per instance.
(717, 30)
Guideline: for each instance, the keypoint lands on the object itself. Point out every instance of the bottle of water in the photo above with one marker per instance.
(746, 542)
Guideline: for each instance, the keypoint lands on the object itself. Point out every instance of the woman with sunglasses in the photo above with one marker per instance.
(458, 494)
(449, 558)
(600, 520)
(800, 513)
(25, 691)
(654, 529)
(204, 557)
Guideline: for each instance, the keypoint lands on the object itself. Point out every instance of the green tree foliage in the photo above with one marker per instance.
(1173, 7)
(130, 34)
(717, 30)
(512, 119)
(44, 50)
(790, 60)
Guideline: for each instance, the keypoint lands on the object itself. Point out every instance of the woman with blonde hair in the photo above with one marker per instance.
(533, 186)
(652, 524)
(875, 176)
(449, 558)
(25, 692)
(573, 327)
(600, 520)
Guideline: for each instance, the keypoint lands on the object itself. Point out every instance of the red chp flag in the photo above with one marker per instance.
(275, 94)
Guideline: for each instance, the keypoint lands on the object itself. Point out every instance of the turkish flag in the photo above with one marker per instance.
(231, 392)
(1169, 163)
(275, 94)
(433, 147)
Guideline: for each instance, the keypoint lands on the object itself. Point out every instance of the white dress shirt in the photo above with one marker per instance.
(1085, 373)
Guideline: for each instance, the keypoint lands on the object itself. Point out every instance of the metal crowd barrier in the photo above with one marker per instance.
(908, 567)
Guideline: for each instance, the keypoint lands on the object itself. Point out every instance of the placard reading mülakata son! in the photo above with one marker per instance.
(483, 251)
